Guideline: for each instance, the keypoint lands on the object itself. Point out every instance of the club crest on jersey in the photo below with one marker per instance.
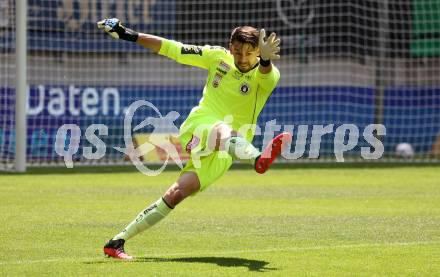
(245, 88)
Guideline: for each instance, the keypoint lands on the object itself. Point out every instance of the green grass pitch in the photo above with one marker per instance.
(380, 221)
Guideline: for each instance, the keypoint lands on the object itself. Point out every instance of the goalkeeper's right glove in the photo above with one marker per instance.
(113, 27)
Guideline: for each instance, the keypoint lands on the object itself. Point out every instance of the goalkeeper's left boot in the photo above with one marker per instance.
(115, 249)
(272, 151)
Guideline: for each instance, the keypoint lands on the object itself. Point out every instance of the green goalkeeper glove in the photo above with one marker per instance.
(113, 27)
(268, 48)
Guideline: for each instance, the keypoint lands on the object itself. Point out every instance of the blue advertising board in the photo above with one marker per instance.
(410, 114)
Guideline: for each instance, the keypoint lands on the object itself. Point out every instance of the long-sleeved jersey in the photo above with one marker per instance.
(228, 91)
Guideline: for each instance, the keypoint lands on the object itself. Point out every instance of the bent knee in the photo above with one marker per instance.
(177, 194)
(184, 187)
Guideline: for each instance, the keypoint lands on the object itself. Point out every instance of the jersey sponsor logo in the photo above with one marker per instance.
(221, 71)
(245, 88)
(192, 144)
(191, 49)
(224, 66)
(217, 78)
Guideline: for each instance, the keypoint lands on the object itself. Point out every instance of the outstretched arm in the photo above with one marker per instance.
(114, 28)
(198, 56)
(149, 41)
(269, 50)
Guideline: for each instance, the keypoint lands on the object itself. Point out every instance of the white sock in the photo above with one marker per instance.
(241, 149)
(145, 219)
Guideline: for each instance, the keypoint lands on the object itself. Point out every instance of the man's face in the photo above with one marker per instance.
(245, 56)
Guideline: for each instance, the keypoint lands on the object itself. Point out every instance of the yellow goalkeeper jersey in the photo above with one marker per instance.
(227, 91)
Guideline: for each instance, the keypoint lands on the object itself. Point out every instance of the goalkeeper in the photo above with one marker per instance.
(240, 81)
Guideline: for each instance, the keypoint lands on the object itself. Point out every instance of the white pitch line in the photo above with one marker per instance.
(249, 251)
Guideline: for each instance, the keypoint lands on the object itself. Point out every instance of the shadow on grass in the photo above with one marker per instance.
(252, 265)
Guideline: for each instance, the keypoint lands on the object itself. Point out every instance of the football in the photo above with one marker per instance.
(404, 150)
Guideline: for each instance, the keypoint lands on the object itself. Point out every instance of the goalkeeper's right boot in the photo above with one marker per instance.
(272, 151)
(115, 249)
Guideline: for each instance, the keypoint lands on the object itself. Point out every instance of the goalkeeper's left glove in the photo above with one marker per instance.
(114, 27)
(268, 48)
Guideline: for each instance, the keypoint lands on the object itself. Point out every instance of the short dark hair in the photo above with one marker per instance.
(245, 34)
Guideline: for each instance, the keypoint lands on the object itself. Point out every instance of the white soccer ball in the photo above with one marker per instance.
(404, 150)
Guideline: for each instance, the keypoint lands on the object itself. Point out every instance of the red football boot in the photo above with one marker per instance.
(271, 152)
(115, 249)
